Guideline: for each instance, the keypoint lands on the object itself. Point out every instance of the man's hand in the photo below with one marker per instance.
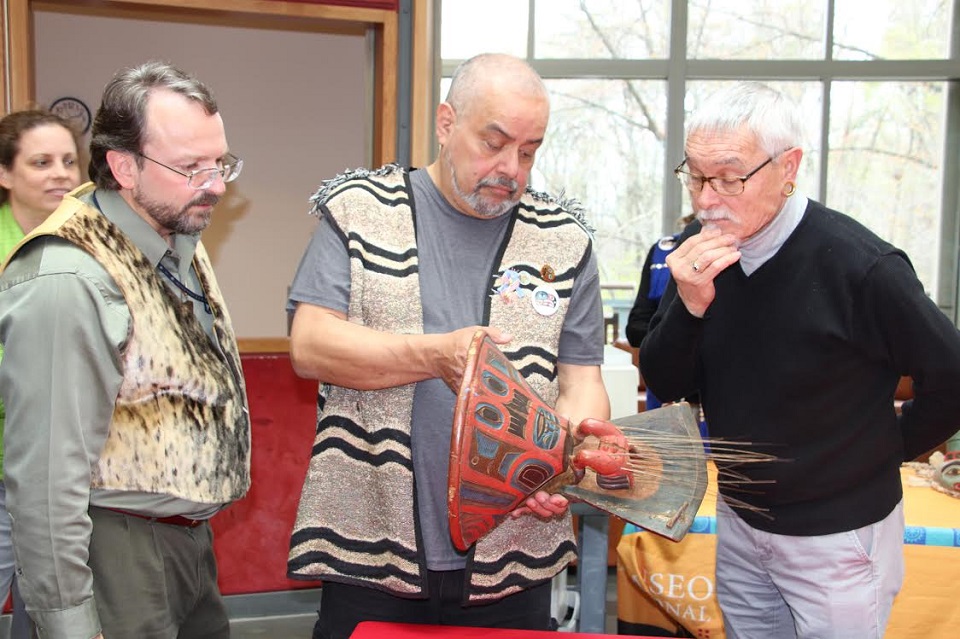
(697, 262)
(450, 358)
(543, 505)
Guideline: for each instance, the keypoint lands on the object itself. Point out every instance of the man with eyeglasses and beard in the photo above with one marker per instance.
(795, 323)
(403, 269)
(127, 424)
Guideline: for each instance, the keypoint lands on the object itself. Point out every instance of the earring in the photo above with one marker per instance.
(791, 189)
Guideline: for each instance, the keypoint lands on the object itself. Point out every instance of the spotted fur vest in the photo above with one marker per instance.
(180, 424)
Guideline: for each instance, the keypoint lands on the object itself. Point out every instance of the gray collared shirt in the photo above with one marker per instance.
(65, 323)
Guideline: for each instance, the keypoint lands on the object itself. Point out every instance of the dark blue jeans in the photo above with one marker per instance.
(343, 606)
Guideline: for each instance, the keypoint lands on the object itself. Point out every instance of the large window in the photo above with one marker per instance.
(880, 88)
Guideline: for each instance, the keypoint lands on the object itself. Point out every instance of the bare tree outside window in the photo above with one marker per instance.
(886, 148)
(756, 29)
(593, 29)
(606, 67)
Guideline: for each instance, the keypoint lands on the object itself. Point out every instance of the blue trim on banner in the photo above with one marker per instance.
(914, 535)
(929, 536)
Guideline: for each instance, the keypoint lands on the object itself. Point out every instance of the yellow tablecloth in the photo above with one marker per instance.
(667, 585)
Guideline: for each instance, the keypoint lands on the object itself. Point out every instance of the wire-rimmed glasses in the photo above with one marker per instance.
(228, 171)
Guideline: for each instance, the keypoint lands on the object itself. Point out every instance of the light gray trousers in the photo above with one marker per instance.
(828, 586)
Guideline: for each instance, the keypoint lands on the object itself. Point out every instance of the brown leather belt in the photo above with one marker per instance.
(173, 520)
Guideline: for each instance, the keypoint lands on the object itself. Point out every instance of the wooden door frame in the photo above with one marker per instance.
(16, 28)
(424, 83)
(16, 25)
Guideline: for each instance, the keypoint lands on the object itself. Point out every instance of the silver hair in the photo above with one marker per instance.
(768, 114)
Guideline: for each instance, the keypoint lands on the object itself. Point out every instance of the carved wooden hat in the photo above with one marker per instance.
(507, 444)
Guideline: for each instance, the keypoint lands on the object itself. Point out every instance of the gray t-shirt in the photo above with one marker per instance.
(456, 259)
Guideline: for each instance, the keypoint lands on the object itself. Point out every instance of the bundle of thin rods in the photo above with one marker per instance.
(656, 456)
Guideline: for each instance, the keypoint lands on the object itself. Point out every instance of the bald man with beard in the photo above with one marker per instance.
(403, 269)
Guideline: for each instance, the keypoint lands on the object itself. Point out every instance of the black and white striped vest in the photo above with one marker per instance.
(356, 521)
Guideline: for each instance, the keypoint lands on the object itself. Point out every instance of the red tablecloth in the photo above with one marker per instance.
(383, 630)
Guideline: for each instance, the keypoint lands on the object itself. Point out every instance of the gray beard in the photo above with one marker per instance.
(481, 206)
(173, 220)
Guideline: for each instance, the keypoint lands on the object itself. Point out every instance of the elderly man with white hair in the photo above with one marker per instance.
(795, 323)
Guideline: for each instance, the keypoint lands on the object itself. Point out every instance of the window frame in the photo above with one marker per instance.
(677, 70)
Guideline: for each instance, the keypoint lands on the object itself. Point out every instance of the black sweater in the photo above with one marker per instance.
(803, 358)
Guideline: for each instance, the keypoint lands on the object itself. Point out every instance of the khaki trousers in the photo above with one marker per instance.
(153, 580)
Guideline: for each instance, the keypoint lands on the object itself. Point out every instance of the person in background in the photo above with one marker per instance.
(796, 323)
(653, 282)
(127, 423)
(39, 164)
(404, 267)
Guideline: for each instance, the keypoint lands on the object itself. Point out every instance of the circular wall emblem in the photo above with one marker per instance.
(74, 111)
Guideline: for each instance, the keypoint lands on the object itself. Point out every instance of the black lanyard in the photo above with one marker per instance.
(183, 287)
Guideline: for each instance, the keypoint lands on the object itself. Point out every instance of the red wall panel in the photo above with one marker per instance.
(252, 537)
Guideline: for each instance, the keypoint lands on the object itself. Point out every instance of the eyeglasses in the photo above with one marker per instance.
(722, 185)
(228, 171)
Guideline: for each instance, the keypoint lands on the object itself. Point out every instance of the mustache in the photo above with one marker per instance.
(499, 181)
(204, 199)
(716, 215)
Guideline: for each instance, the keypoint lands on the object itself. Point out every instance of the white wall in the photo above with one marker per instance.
(297, 109)
(621, 379)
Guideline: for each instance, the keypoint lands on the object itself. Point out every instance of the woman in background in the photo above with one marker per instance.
(38, 166)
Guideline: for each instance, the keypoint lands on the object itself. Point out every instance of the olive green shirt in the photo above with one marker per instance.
(65, 322)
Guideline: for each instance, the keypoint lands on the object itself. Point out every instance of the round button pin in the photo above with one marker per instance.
(545, 300)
